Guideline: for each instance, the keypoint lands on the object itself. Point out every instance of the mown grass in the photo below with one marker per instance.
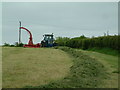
(85, 72)
(33, 66)
(110, 62)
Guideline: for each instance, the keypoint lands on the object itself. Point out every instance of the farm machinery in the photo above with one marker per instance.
(30, 42)
(48, 40)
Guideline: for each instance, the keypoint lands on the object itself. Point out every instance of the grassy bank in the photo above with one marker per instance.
(85, 72)
(33, 66)
(107, 51)
(110, 62)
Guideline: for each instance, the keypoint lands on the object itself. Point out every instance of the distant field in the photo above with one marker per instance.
(33, 66)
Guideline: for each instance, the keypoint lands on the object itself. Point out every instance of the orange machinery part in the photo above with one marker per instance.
(30, 43)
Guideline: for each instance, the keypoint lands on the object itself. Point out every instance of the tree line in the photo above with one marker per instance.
(83, 42)
(86, 43)
(13, 45)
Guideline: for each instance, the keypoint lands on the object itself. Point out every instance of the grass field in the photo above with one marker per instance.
(111, 64)
(33, 66)
(0, 67)
(107, 51)
(58, 68)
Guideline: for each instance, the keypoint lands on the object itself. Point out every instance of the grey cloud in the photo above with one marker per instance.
(62, 19)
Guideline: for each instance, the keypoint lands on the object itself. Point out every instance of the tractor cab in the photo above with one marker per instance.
(48, 40)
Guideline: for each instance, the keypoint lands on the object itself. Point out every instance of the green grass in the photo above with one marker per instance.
(111, 64)
(85, 72)
(0, 67)
(62, 67)
(107, 51)
(33, 66)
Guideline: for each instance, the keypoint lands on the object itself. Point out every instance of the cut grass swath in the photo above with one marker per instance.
(86, 72)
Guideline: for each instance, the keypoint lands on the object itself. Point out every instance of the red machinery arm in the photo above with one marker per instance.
(30, 39)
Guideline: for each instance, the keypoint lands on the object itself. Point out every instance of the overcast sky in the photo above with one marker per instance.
(65, 19)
